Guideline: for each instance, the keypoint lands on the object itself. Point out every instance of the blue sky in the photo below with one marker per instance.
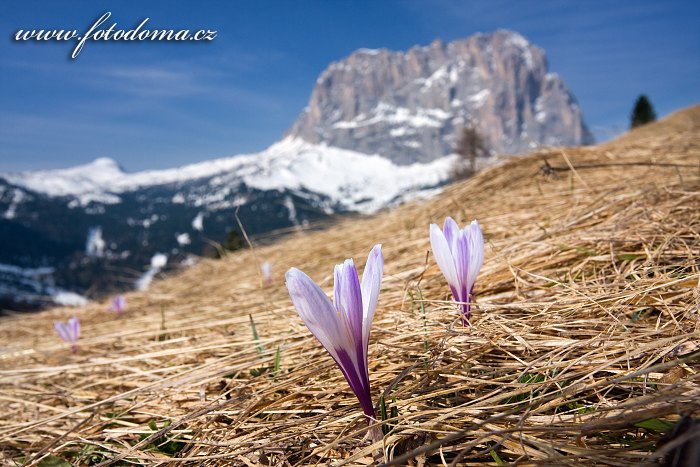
(157, 105)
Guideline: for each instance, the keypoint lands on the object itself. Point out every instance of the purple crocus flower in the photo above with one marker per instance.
(69, 332)
(266, 269)
(343, 326)
(460, 255)
(118, 304)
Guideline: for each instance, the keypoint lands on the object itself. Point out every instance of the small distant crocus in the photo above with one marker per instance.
(343, 326)
(266, 269)
(118, 304)
(460, 255)
(69, 332)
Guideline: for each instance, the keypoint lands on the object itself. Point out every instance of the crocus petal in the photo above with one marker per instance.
(68, 332)
(462, 263)
(351, 299)
(118, 304)
(74, 327)
(351, 358)
(328, 325)
(443, 255)
(317, 312)
(451, 230)
(62, 331)
(337, 285)
(357, 378)
(371, 284)
(476, 252)
(266, 269)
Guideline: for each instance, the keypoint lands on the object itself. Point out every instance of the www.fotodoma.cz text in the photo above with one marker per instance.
(98, 33)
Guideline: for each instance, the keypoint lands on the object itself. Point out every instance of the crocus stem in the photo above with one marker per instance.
(375, 433)
(370, 417)
(466, 312)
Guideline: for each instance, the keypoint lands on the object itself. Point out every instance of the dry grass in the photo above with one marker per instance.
(586, 324)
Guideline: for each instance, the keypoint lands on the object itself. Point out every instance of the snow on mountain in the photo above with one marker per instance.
(198, 222)
(64, 298)
(183, 239)
(399, 116)
(355, 181)
(18, 196)
(95, 244)
(35, 285)
(350, 180)
(86, 182)
(158, 262)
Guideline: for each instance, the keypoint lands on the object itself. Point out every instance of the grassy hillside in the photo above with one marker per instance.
(584, 348)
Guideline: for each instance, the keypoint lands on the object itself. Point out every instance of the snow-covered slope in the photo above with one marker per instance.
(90, 179)
(348, 180)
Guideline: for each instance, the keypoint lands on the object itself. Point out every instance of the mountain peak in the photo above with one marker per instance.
(105, 162)
(91, 178)
(514, 36)
(368, 51)
(437, 44)
(410, 106)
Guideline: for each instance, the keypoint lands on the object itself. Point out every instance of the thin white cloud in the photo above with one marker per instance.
(151, 81)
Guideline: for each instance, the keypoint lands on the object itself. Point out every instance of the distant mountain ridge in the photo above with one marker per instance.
(94, 228)
(346, 180)
(408, 106)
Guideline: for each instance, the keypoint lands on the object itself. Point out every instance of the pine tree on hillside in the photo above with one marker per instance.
(233, 241)
(642, 113)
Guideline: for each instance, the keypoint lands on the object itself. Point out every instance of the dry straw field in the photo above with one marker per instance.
(584, 348)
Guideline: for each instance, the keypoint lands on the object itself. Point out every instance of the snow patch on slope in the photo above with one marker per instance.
(18, 196)
(82, 179)
(183, 239)
(65, 298)
(355, 181)
(198, 222)
(158, 262)
(35, 286)
(95, 244)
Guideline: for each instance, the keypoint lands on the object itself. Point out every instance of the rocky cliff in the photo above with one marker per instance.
(409, 106)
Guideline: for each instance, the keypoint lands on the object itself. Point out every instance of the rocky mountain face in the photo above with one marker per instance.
(409, 106)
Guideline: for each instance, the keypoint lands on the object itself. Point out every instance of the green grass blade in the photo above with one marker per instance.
(256, 338)
(278, 359)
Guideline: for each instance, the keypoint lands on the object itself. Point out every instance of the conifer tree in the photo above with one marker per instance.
(233, 240)
(642, 113)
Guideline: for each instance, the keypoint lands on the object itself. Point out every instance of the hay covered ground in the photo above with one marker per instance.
(584, 348)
